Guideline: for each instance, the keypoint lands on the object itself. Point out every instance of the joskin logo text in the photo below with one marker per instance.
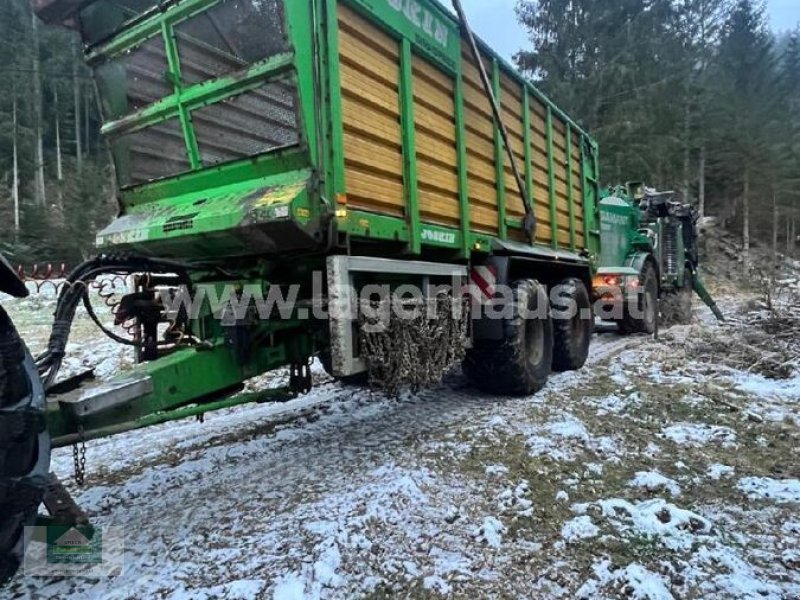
(422, 18)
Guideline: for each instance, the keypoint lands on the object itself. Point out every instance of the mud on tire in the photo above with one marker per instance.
(521, 362)
(24, 446)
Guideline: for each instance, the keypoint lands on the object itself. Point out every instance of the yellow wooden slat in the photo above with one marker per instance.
(352, 25)
(435, 148)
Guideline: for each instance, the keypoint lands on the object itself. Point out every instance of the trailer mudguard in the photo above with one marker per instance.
(637, 261)
(10, 283)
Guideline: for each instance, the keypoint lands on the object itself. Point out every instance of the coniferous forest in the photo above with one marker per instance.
(699, 96)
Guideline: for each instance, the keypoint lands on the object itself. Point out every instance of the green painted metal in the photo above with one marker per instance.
(463, 168)
(316, 25)
(202, 94)
(157, 418)
(591, 199)
(551, 179)
(285, 210)
(134, 35)
(408, 124)
(526, 118)
(333, 100)
(499, 158)
(426, 23)
(570, 190)
(173, 63)
(701, 290)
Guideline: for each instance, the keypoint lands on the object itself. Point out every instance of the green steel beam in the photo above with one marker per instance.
(409, 147)
(334, 100)
(202, 94)
(174, 65)
(144, 30)
(499, 157)
(273, 395)
(526, 110)
(570, 192)
(463, 168)
(551, 179)
(594, 214)
(585, 188)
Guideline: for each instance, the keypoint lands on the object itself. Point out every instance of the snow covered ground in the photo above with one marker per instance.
(646, 475)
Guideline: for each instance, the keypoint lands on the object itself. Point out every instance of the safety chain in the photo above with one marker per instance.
(79, 458)
(412, 344)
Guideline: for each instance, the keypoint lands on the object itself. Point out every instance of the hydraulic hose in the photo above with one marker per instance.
(529, 223)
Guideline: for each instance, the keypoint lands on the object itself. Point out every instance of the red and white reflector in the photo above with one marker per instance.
(482, 284)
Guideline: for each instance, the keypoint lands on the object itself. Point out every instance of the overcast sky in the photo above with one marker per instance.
(495, 21)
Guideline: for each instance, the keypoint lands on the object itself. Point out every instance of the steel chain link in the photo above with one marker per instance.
(412, 344)
(79, 459)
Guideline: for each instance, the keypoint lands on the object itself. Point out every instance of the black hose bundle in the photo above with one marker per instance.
(75, 291)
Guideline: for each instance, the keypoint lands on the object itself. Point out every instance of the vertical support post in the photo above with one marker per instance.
(570, 190)
(526, 117)
(409, 147)
(591, 195)
(551, 179)
(174, 65)
(463, 179)
(334, 133)
(499, 157)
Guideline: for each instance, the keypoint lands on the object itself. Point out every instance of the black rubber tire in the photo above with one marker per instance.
(24, 446)
(572, 329)
(630, 324)
(520, 363)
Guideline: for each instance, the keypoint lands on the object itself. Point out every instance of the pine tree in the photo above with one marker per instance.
(745, 112)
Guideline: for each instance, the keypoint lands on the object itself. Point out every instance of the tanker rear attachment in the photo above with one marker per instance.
(649, 265)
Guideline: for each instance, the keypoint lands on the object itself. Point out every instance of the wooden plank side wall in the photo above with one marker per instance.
(373, 146)
(481, 166)
(373, 142)
(437, 151)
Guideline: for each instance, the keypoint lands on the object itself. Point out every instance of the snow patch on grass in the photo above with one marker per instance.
(673, 527)
(563, 438)
(765, 488)
(634, 581)
(654, 481)
(717, 472)
(579, 528)
(491, 532)
(700, 434)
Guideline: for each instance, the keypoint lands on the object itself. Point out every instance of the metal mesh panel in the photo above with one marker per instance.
(248, 124)
(229, 36)
(134, 80)
(150, 154)
(102, 18)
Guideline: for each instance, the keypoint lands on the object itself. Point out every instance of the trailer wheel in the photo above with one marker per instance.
(24, 446)
(647, 314)
(521, 362)
(573, 325)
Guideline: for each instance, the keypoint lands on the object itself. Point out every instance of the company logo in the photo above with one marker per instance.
(438, 237)
(423, 19)
(613, 219)
(77, 550)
